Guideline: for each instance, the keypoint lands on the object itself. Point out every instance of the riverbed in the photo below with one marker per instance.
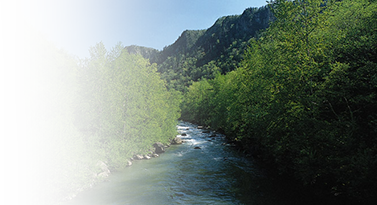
(202, 170)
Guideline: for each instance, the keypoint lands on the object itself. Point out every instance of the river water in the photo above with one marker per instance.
(213, 174)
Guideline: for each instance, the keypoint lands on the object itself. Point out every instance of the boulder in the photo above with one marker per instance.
(103, 167)
(147, 157)
(213, 135)
(197, 148)
(200, 127)
(159, 148)
(138, 157)
(129, 163)
(206, 131)
(177, 140)
(155, 155)
(183, 134)
(104, 173)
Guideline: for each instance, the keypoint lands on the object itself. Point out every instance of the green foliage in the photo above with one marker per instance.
(304, 98)
(201, 54)
(75, 113)
(198, 98)
(125, 106)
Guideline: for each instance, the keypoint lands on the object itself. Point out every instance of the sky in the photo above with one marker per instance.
(76, 25)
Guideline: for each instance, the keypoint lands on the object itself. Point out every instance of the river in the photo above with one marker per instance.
(214, 174)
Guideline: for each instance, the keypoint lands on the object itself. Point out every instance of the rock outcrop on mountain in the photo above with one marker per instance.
(198, 54)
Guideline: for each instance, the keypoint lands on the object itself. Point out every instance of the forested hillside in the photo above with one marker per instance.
(294, 84)
(198, 54)
(83, 118)
(304, 99)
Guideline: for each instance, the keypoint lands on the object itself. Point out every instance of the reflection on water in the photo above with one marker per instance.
(213, 174)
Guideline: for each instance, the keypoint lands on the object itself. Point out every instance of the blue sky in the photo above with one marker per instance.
(75, 25)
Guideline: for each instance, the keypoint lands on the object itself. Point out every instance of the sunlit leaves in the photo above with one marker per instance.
(305, 95)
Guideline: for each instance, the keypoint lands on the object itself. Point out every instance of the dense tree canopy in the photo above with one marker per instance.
(304, 99)
(72, 114)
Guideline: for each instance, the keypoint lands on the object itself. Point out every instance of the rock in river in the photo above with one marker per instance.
(147, 157)
(138, 157)
(159, 148)
(103, 167)
(177, 140)
(105, 172)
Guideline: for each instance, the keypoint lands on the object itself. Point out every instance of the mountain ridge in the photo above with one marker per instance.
(198, 54)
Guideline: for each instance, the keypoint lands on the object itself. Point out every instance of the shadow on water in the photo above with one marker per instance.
(200, 171)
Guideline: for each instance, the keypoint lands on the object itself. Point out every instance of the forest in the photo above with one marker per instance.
(76, 112)
(200, 54)
(303, 102)
(293, 84)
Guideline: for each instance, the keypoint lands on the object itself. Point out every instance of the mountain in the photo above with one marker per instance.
(148, 53)
(198, 54)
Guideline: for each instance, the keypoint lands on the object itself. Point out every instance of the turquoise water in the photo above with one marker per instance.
(213, 174)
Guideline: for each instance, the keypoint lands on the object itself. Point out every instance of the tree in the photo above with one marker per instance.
(125, 105)
(74, 113)
(304, 100)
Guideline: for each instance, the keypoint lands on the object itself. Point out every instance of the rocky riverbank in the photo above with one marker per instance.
(102, 171)
(158, 148)
(205, 169)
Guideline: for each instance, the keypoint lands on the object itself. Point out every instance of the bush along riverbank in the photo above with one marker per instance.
(84, 118)
(304, 101)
